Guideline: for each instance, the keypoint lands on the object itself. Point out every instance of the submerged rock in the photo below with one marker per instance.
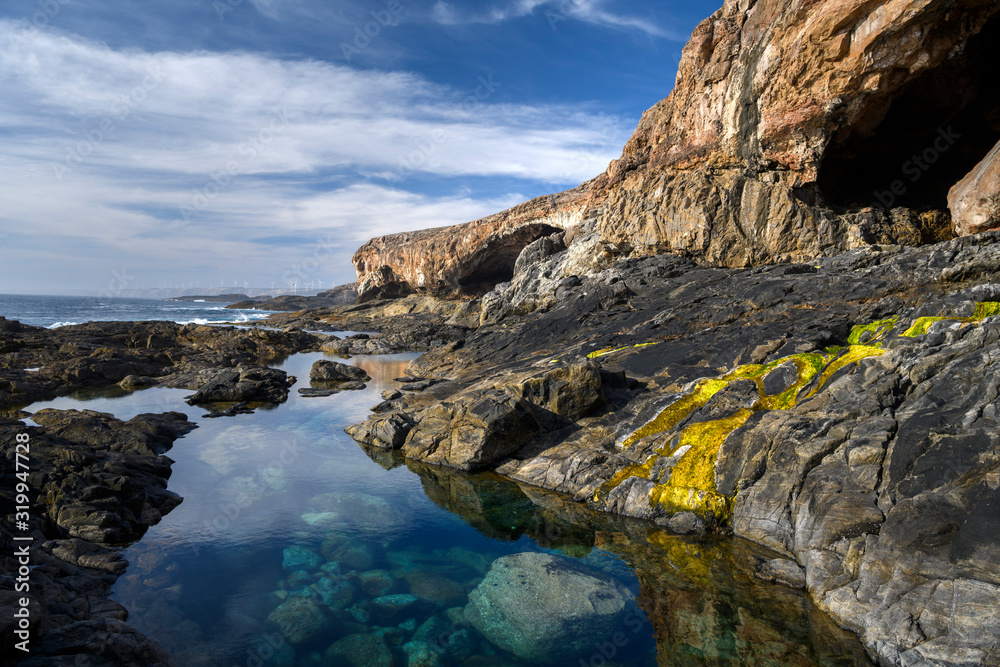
(547, 609)
(300, 619)
(359, 650)
(298, 557)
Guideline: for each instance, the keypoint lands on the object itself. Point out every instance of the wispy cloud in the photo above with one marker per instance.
(119, 142)
(587, 11)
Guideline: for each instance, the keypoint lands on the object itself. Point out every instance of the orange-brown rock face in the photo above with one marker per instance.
(793, 127)
(792, 122)
(462, 259)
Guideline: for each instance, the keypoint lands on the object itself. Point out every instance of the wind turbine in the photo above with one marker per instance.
(321, 284)
(272, 284)
(246, 284)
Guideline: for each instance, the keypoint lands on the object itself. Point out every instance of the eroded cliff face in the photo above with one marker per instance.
(794, 125)
(796, 130)
(462, 259)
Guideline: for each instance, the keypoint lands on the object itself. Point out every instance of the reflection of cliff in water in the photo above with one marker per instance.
(705, 605)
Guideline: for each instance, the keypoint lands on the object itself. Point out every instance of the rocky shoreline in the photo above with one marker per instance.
(842, 413)
(97, 483)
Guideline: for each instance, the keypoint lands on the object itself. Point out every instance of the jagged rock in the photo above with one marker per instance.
(547, 609)
(268, 385)
(975, 200)
(475, 431)
(325, 370)
(384, 431)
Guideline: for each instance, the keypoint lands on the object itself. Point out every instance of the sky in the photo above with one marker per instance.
(170, 143)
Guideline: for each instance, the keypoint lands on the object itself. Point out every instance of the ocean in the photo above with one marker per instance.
(59, 311)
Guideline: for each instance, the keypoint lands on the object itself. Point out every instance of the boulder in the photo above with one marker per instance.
(476, 431)
(547, 609)
(383, 431)
(325, 370)
(300, 619)
(975, 200)
(359, 650)
(245, 383)
(568, 391)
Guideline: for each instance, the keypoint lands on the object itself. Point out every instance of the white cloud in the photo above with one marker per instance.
(102, 149)
(555, 11)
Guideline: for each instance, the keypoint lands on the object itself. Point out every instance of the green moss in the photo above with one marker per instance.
(677, 411)
(809, 366)
(878, 330)
(691, 487)
(984, 309)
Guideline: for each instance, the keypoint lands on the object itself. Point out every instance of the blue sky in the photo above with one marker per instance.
(197, 141)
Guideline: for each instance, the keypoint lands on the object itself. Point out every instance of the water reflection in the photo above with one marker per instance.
(705, 606)
(295, 547)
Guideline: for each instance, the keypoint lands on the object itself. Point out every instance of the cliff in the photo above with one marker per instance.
(795, 130)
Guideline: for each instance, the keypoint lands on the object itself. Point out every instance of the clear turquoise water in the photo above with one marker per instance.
(260, 488)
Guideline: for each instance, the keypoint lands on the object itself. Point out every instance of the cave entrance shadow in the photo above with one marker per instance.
(911, 146)
(493, 263)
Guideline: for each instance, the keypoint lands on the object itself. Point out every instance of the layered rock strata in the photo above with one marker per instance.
(792, 133)
(840, 412)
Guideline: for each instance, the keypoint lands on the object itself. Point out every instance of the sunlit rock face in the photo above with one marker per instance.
(794, 129)
(975, 200)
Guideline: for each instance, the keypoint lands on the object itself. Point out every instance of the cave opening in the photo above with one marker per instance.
(494, 262)
(910, 149)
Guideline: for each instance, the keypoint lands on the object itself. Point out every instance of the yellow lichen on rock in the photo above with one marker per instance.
(677, 411)
(691, 486)
(878, 330)
(850, 355)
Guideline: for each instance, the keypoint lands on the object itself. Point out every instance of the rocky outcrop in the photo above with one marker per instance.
(839, 412)
(792, 133)
(462, 259)
(37, 363)
(975, 200)
(342, 295)
(325, 370)
(480, 426)
(96, 482)
(245, 384)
